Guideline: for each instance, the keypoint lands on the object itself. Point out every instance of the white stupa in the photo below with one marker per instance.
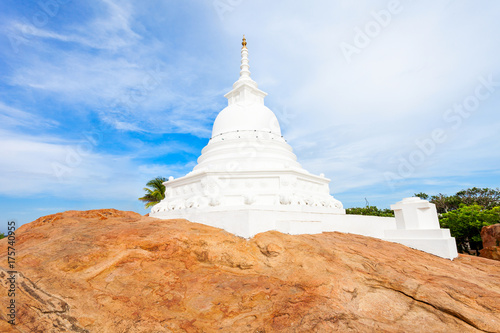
(248, 181)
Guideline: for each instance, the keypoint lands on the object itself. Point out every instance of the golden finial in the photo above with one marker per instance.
(244, 42)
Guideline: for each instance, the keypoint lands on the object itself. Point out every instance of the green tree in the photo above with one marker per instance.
(445, 203)
(465, 224)
(422, 195)
(486, 197)
(370, 210)
(2, 235)
(155, 192)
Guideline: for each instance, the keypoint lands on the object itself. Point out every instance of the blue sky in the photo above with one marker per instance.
(387, 98)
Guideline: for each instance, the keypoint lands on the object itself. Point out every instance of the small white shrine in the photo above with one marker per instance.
(248, 181)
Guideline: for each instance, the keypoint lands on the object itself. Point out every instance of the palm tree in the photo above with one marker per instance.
(155, 193)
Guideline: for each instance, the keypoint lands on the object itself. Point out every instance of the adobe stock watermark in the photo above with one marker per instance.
(454, 118)
(75, 154)
(47, 10)
(11, 273)
(284, 115)
(222, 7)
(130, 100)
(363, 37)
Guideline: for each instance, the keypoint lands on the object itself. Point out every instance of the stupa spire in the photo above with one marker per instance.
(245, 67)
(245, 90)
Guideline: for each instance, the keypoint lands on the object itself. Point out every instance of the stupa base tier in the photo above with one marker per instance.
(253, 220)
(249, 221)
(281, 189)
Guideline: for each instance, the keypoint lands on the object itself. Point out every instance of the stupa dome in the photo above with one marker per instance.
(246, 117)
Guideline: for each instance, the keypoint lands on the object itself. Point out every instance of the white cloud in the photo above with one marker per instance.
(109, 30)
(46, 165)
(128, 82)
(11, 117)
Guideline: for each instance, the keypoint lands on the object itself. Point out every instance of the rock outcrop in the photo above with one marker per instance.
(114, 271)
(490, 236)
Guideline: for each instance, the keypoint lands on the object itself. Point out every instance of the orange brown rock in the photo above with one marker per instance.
(114, 271)
(490, 235)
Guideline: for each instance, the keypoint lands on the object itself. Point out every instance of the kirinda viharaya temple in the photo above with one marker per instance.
(248, 180)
